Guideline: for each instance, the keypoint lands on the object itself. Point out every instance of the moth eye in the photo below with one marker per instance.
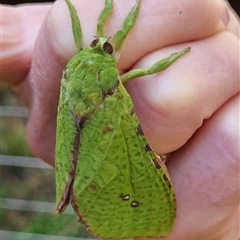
(94, 43)
(107, 47)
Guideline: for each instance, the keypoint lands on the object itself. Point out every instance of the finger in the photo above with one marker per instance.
(173, 104)
(205, 175)
(17, 40)
(55, 46)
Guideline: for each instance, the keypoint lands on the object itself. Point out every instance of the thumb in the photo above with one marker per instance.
(53, 48)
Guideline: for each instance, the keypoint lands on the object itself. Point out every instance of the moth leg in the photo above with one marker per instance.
(67, 195)
(156, 67)
(161, 164)
(128, 23)
(76, 26)
(103, 17)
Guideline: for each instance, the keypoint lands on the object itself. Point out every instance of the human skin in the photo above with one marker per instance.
(191, 109)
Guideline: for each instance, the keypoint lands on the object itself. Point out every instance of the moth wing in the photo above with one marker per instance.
(65, 147)
(118, 191)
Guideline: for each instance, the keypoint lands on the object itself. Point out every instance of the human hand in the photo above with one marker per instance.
(171, 105)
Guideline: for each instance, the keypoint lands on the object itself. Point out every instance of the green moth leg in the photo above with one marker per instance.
(103, 17)
(76, 26)
(128, 24)
(155, 68)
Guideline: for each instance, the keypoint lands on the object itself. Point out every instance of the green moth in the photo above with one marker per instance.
(117, 185)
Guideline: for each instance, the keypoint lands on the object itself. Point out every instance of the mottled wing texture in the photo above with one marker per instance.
(66, 133)
(118, 192)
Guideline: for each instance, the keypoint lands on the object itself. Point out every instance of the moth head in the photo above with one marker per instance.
(103, 44)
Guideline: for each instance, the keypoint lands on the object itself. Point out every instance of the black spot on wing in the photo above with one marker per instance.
(132, 112)
(156, 164)
(107, 129)
(134, 204)
(167, 181)
(139, 131)
(148, 148)
(124, 197)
